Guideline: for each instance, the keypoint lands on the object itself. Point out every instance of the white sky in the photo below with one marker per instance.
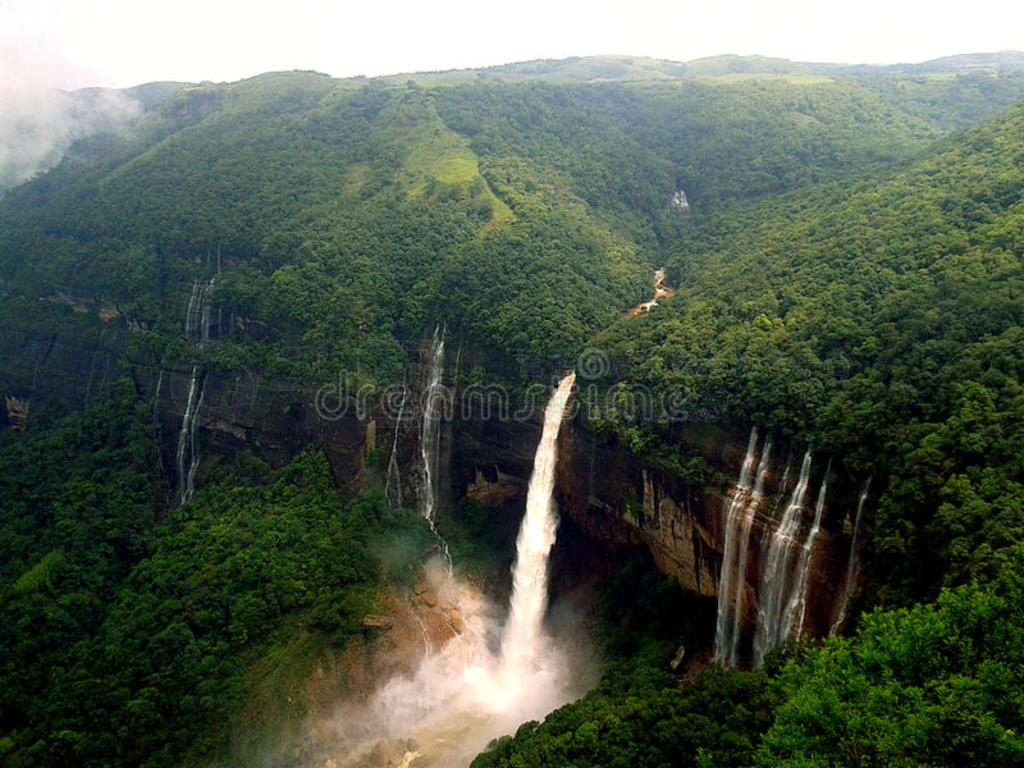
(76, 43)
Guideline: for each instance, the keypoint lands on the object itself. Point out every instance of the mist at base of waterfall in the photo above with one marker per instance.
(464, 694)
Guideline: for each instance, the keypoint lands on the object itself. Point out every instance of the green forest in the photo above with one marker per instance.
(847, 275)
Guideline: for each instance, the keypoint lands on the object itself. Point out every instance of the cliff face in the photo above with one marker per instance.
(604, 490)
(610, 496)
(617, 502)
(274, 419)
(50, 373)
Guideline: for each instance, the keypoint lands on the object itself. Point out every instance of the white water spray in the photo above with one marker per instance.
(484, 682)
(776, 577)
(740, 497)
(851, 563)
(520, 645)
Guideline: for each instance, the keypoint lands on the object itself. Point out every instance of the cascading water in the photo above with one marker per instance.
(393, 481)
(188, 445)
(430, 438)
(485, 681)
(756, 497)
(197, 330)
(796, 607)
(197, 316)
(520, 644)
(851, 562)
(776, 582)
(726, 604)
(156, 392)
(205, 317)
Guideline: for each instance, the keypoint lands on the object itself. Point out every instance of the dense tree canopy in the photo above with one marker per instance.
(847, 276)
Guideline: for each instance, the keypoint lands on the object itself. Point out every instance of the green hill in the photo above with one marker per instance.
(879, 320)
(847, 276)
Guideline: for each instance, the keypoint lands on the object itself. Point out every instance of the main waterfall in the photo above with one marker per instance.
(430, 439)
(488, 679)
(536, 536)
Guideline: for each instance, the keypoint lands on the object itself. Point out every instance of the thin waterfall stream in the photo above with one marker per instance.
(851, 562)
(197, 331)
(776, 578)
(740, 495)
(434, 399)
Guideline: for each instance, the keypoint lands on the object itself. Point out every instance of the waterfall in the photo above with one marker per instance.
(796, 607)
(430, 439)
(197, 316)
(192, 312)
(741, 567)
(488, 679)
(851, 562)
(430, 436)
(394, 478)
(188, 444)
(521, 639)
(737, 505)
(775, 577)
(156, 392)
(197, 330)
(204, 335)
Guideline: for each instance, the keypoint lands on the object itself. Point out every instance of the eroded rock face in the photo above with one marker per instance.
(609, 495)
(605, 491)
(617, 501)
(620, 503)
(17, 412)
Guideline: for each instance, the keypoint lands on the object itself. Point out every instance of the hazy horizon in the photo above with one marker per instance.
(114, 43)
(497, 64)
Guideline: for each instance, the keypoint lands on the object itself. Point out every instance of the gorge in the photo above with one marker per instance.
(278, 487)
(489, 676)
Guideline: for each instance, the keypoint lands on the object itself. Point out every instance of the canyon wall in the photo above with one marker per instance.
(619, 502)
(608, 493)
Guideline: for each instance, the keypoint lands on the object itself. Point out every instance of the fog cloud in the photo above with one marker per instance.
(39, 123)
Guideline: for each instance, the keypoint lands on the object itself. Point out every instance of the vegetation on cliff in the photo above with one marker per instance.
(129, 633)
(937, 684)
(880, 321)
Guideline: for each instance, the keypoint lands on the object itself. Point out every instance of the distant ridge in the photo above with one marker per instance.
(636, 68)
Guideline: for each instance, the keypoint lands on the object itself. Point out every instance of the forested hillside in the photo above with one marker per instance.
(845, 275)
(878, 320)
(385, 208)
